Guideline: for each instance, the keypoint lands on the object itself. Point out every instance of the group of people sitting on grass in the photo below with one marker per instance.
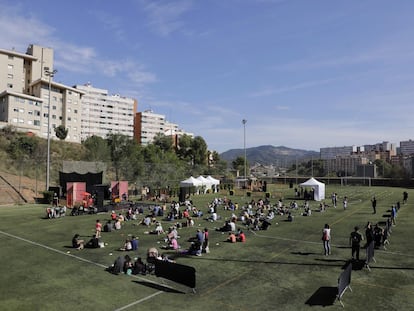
(55, 211)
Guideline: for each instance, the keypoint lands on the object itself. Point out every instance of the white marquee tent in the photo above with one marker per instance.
(190, 182)
(205, 183)
(318, 188)
(214, 183)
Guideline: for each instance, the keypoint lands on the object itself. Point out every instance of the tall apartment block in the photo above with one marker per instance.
(103, 113)
(148, 124)
(407, 147)
(24, 95)
(333, 152)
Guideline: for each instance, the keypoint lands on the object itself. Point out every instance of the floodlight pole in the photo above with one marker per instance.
(50, 74)
(244, 121)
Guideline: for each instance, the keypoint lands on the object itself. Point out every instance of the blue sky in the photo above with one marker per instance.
(304, 74)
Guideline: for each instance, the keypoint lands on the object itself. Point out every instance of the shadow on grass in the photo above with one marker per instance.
(324, 296)
(159, 287)
(324, 262)
(303, 253)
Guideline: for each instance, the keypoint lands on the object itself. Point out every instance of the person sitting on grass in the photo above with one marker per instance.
(158, 229)
(77, 242)
(241, 237)
(93, 243)
(231, 238)
(117, 225)
(127, 246)
(139, 267)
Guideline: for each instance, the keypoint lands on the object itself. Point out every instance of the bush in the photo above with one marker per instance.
(48, 196)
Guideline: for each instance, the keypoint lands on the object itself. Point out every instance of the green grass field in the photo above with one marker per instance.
(282, 268)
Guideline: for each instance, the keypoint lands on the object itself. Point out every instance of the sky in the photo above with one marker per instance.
(304, 74)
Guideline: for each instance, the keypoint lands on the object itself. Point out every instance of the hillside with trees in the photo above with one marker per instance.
(157, 165)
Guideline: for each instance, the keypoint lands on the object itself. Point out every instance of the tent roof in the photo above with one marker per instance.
(191, 181)
(203, 180)
(312, 182)
(213, 180)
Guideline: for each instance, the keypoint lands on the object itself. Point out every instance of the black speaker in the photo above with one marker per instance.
(183, 194)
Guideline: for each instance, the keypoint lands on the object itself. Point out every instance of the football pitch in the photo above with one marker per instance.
(281, 268)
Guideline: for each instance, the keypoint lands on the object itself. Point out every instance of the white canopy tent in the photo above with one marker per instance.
(214, 183)
(318, 188)
(205, 183)
(190, 182)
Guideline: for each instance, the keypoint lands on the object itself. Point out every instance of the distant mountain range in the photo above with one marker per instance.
(280, 156)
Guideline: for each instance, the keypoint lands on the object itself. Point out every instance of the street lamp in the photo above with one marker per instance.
(244, 121)
(50, 74)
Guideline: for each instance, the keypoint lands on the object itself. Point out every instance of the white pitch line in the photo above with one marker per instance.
(90, 262)
(139, 301)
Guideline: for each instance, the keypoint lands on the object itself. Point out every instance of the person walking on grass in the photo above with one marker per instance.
(326, 239)
(374, 205)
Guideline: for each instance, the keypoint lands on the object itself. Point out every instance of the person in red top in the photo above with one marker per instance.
(241, 237)
(98, 229)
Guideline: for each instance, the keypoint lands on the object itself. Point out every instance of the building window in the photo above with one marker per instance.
(10, 67)
(11, 57)
(36, 122)
(10, 76)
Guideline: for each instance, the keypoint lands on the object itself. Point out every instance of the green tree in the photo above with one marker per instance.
(97, 149)
(199, 150)
(118, 146)
(164, 142)
(184, 150)
(238, 164)
(61, 132)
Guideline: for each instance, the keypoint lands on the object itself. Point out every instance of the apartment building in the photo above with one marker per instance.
(333, 152)
(24, 95)
(103, 113)
(148, 124)
(407, 147)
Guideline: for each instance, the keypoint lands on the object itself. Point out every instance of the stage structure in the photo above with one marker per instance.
(90, 180)
(75, 193)
(119, 191)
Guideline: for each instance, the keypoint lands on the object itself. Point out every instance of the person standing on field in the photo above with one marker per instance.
(355, 241)
(326, 239)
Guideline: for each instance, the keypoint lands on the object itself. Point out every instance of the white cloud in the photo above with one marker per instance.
(165, 17)
(18, 29)
(278, 90)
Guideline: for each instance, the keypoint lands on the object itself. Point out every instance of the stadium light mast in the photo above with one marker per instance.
(244, 121)
(50, 74)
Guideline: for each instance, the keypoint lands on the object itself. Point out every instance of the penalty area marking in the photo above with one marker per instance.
(90, 262)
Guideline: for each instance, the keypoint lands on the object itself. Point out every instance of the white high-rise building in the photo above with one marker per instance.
(149, 124)
(103, 114)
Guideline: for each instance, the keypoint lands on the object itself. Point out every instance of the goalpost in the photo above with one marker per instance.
(356, 181)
